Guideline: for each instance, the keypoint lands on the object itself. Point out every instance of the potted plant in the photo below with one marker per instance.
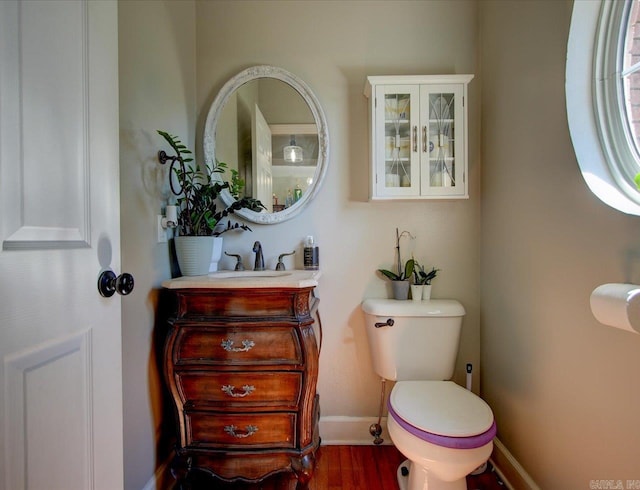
(200, 213)
(421, 288)
(400, 279)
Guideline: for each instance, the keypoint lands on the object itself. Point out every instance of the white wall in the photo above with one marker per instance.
(563, 387)
(157, 91)
(333, 46)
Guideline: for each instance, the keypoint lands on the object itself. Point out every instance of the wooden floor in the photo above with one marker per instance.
(353, 468)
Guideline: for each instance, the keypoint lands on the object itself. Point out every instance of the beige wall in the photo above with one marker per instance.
(330, 46)
(563, 387)
(333, 46)
(157, 91)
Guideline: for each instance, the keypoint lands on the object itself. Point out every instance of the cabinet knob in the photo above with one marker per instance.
(109, 284)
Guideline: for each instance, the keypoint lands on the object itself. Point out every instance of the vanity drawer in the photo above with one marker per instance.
(233, 389)
(237, 346)
(216, 430)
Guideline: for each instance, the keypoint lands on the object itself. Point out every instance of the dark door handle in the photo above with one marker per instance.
(109, 284)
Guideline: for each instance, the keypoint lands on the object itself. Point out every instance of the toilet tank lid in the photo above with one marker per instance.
(394, 307)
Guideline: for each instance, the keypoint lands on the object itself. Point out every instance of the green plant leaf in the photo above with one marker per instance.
(200, 210)
(408, 268)
(389, 274)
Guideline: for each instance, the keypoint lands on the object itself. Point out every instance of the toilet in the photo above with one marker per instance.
(444, 430)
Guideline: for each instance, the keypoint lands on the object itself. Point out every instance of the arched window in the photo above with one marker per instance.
(603, 98)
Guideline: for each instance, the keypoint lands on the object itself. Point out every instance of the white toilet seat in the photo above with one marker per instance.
(442, 413)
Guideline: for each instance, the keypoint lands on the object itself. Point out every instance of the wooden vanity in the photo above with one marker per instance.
(241, 364)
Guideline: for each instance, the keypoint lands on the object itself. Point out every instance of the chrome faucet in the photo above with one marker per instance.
(259, 263)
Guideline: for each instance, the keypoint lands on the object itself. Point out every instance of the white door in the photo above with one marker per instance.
(60, 352)
(261, 163)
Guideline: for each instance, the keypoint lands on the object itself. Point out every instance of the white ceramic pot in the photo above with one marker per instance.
(416, 292)
(194, 254)
(426, 291)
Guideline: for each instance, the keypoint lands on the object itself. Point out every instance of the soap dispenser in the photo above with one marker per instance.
(311, 254)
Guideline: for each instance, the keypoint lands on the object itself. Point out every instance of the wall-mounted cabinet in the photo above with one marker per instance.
(418, 132)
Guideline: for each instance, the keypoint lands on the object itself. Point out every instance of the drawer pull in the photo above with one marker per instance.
(247, 345)
(230, 390)
(231, 430)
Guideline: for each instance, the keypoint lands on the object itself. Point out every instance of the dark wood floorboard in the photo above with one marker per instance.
(352, 468)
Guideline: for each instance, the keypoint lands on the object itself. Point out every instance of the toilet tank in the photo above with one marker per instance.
(423, 342)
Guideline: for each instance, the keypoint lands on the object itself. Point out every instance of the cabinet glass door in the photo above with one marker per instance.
(398, 170)
(442, 173)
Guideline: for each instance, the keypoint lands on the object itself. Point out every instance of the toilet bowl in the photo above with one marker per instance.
(445, 431)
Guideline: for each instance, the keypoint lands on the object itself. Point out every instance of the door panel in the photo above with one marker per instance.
(45, 91)
(60, 341)
(262, 160)
(48, 388)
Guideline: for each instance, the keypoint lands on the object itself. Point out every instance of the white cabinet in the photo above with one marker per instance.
(418, 133)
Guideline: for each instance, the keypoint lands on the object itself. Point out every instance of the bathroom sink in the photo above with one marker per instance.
(245, 274)
(247, 279)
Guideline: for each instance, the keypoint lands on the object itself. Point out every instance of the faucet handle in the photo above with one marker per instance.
(239, 266)
(280, 264)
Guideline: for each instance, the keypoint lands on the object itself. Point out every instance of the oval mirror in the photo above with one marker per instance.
(267, 124)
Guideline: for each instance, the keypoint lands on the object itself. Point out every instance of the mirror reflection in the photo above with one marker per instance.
(268, 127)
(267, 132)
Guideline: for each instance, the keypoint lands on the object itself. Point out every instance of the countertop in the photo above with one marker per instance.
(247, 279)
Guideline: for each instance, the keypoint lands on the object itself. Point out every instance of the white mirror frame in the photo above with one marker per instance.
(209, 139)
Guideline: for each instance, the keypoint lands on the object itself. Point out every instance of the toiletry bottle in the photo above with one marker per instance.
(289, 200)
(297, 192)
(311, 254)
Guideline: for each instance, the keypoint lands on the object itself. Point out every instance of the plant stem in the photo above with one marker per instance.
(398, 252)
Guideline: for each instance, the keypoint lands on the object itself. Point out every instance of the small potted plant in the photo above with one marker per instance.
(421, 287)
(400, 279)
(200, 218)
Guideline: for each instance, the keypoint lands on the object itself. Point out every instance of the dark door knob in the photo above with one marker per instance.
(109, 284)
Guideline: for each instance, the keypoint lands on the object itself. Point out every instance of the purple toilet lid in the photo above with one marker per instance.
(442, 412)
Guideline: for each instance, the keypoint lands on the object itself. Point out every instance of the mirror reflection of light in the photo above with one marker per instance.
(309, 180)
(293, 153)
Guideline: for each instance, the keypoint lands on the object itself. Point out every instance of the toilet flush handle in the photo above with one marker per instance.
(388, 323)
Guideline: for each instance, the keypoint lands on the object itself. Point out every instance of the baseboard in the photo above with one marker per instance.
(350, 431)
(161, 479)
(510, 471)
